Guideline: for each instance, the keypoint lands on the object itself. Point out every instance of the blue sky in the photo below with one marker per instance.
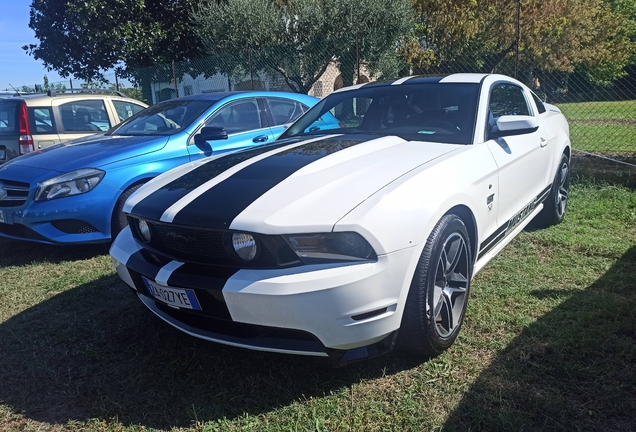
(16, 66)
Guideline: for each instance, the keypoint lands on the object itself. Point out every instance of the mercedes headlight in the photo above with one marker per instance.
(331, 247)
(69, 184)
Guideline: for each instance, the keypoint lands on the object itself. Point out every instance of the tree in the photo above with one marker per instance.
(555, 36)
(86, 38)
(298, 39)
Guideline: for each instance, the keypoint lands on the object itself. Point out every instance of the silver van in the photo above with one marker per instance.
(33, 121)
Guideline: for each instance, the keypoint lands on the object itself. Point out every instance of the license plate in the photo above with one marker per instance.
(181, 298)
(1, 217)
(3, 154)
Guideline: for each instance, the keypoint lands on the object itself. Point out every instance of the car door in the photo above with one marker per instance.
(522, 160)
(283, 112)
(244, 123)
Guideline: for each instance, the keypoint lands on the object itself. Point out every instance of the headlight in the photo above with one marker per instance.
(72, 183)
(330, 247)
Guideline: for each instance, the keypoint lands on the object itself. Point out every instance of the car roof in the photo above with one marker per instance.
(236, 94)
(467, 78)
(80, 94)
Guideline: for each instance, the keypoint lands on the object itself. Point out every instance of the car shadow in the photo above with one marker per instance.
(20, 252)
(95, 352)
(572, 369)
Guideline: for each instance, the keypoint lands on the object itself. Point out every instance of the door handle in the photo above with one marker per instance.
(543, 142)
(260, 138)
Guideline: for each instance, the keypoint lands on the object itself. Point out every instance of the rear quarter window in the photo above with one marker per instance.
(41, 120)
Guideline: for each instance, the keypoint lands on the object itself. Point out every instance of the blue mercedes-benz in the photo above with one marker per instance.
(74, 192)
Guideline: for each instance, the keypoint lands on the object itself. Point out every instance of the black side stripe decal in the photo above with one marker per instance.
(153, 206)
(236, 193)
(506, 228)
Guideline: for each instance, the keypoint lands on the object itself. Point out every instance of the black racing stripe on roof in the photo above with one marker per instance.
(154, 205)
(418, 79)
(424, 79)
(219, 206)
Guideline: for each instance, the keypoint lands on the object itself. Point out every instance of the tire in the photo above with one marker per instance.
(433, 316)
(118, 220)
(555, 204)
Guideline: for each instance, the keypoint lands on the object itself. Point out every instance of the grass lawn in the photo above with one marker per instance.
(549, 344)
(602, 127)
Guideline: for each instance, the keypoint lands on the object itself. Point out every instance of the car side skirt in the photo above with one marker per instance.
(490, 247)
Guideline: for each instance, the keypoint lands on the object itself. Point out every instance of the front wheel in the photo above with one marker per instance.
(437, 299)
(556, 203)
(118, 220)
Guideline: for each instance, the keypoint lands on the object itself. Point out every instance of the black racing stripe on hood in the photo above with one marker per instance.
(219, 206)
(153, 206)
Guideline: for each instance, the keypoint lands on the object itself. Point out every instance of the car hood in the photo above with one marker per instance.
(91, 152)
(285, 187)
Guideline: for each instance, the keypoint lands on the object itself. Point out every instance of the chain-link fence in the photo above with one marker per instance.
(602, 118)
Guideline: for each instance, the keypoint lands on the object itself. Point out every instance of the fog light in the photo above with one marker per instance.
(244, 245)
(144, 230)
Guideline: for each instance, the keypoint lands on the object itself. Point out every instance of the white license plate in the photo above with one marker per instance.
(1, 217)
(3, 154)
(176, 297)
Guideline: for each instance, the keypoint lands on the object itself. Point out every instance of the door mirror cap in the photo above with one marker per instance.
(509, 125)
(209, 134)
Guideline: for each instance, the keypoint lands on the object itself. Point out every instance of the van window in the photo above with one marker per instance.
(41, 120)
(84, 116)
(8, 118)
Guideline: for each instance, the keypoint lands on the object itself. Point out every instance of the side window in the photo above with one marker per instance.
(126, 109)
(84, 116)
(239, 116)
(284, 110)
(8, 114)
(508, 99)
(539, 103)
(41, 120)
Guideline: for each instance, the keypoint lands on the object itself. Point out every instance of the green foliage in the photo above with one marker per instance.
(595, 37)
(298, 39)
(88, 37)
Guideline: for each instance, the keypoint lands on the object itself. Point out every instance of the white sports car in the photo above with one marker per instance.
(345, 242)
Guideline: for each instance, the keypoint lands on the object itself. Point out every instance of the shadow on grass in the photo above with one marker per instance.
(573, 369)
(19, 252)
(96, 352)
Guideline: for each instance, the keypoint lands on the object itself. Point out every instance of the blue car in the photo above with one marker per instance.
(73, 193)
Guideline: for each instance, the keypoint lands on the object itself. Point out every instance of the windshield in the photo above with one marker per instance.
(433, 112)
(165, 118)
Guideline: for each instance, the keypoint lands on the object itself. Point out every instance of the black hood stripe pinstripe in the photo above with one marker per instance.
(153, 206)
(234, 194)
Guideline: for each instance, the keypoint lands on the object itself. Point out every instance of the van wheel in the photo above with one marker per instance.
(118, 220)
(436, 303)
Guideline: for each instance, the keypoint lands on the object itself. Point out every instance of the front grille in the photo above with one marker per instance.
(74, 226)
(184, 241)
(13, 193)
(20, 231)
(212, 247)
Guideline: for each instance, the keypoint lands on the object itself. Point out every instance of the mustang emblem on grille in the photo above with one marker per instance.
(176, 235)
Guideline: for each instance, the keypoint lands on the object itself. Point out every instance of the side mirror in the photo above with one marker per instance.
(209, 134)
(509, 125)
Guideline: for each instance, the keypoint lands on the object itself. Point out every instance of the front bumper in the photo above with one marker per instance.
(342, 311)
(77, 219)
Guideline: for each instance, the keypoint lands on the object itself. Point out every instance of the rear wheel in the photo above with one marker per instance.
(556, 203)
(118, 220)
(436, 303)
